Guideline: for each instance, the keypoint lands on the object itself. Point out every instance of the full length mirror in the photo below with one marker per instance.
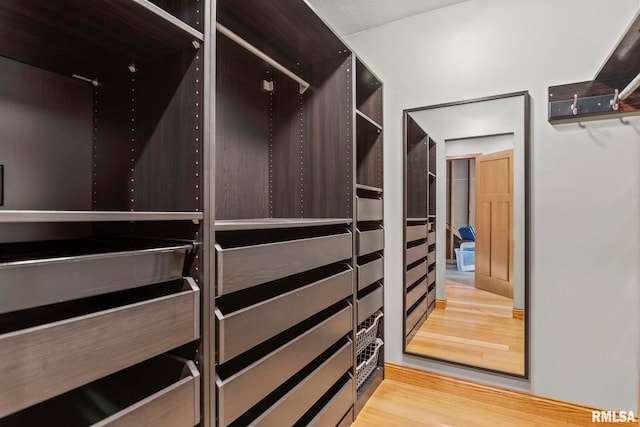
(466, 216)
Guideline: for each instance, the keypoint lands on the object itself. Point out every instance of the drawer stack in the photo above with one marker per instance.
(416, 276)
(80, 331)
(284, 323)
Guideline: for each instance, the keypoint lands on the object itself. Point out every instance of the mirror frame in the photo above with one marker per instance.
(527, 220)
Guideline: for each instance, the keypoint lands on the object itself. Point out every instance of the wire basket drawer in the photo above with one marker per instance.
(367, 361)
(368, 331)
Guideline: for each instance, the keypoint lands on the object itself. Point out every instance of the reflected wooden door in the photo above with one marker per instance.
(494, 223)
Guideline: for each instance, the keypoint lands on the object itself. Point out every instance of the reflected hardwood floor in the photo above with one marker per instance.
(476, 328)
(396, 403)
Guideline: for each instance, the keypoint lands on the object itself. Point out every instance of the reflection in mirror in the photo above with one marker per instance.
(465, 232)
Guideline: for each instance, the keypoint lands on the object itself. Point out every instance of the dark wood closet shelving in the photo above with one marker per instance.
(368, 188)
(92, 38)
(274, 223)
(94, 216)
(368, 120)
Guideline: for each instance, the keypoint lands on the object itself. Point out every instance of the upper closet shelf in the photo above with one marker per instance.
(361, 116)
(271, 223)
(91, 39)
(14, 216)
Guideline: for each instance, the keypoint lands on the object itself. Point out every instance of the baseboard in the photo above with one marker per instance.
(504, 397)
(518, 313)
(441, 304)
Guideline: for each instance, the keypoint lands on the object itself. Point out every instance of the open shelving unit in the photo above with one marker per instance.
(103, 213)
(369, 234)
(418, 225)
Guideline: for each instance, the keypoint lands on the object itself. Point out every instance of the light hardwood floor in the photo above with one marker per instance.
(476, 328)
(396, 403)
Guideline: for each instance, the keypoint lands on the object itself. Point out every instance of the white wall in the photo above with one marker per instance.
(585, 234)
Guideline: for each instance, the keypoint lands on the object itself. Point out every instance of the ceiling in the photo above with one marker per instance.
(351, 16)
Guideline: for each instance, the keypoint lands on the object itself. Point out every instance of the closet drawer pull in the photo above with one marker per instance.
(40, 362)
(370, 241)
(244, 389)
(370, 272)
(243, 329)
(246, 266)
(369, 209)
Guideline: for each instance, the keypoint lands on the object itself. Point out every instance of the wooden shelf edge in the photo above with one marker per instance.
(25, 216)
(275, 223)
(368, 120)
(368, 188)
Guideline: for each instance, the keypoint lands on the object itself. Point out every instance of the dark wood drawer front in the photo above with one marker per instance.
(416, 293)
(370, 241)
(431, 258)
(242, 267)
(416, 232)
(370, 273)
(293, 405)
(416, 315)
(431, 277)
(370, 303)
(241, 330)
(416, 273)
(335, 410)
(63, 355)
(244, 389)
(431, 238)
(369, 209)
(415, 253)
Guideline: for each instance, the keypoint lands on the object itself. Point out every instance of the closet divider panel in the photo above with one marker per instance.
(242, 149)
(327, 173)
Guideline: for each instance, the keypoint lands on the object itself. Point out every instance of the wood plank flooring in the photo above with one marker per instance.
(476, 328)
(396, 403)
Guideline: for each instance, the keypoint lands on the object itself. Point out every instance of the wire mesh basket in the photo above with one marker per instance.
(368, 331)
(367, 361)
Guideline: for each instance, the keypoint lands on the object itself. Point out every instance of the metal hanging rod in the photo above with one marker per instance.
(630, 88)
(304, 85)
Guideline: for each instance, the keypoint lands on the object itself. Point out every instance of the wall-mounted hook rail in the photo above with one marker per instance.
(304, 85)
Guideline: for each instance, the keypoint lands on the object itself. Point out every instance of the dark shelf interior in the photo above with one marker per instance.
(94, 39)
(369, 152)
(416, 169)
(368, 93)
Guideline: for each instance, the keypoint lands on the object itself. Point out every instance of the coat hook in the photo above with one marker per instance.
(574, 106)
(615, 103)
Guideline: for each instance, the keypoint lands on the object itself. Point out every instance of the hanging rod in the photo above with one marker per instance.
(304, 85)
(630, 88)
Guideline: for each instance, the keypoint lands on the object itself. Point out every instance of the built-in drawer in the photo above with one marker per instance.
(415, 293)
(243, 329)
(161, 392)
(431, 258)
(245, 266)
(293, 405)
(334, 411)
(242, 390)
(416, 232)
(416, 252)
(431, 277)
(93, 338)
(416, 315)
(430, 309)
(369, 209)
(370, 241)
(34, 274)
(370, 303)
(431, 238)
(416, 273)
(347, 420)
(431, 295)
(370, 272)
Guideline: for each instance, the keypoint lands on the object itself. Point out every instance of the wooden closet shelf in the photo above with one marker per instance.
(92, 38)
(271, 223)
(360, 115)
(368, 188)
(13, 216)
